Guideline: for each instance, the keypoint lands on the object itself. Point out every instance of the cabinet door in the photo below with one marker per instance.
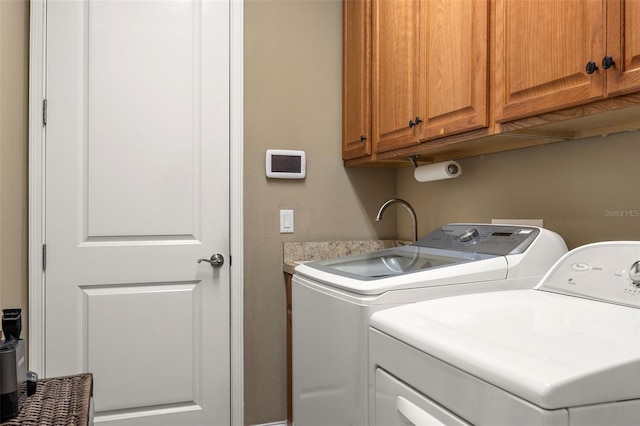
(623, 45)
(395, 93)
(356, 69)
(455, 65)
(542, 49)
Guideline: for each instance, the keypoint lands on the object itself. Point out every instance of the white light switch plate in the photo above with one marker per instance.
(286, 221)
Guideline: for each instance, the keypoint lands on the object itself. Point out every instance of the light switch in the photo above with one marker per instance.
(286, 221)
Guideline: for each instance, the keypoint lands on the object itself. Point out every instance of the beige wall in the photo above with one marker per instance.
(576, 187)
(293, 101)
(14, 60)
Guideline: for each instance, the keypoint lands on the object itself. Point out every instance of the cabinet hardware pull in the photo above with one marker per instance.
(607, 62)
(363, 138)
(415, 122)
(591, 67)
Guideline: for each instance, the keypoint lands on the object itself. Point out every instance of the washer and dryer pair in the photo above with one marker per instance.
(333, 301)
(564, 353)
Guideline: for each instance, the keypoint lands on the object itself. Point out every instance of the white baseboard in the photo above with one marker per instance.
(282, 423)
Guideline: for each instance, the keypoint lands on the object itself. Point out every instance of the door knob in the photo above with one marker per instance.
(216, 260)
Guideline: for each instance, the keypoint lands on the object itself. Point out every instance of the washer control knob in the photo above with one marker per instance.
(634, 273)
(469, 235)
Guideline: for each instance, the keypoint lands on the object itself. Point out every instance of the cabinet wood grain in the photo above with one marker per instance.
(623, 45)
(356, 77)
(430, 67)
(396, 89)
(454, 78)
(454, 67)
(542, 49)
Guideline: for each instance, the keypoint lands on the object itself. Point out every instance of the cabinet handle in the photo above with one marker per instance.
(591, 67)
(607, 62)
(415, 122)
(363, 138)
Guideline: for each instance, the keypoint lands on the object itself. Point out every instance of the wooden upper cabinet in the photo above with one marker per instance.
(430, 68)
(431, 77)
(356, 77)
(395, 62)
(454, 67)
(544, 49)
(623, 45)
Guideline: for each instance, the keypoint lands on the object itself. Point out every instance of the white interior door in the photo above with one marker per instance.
(137, 190)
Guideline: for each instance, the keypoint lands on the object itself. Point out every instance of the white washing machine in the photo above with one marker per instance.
(334, 299)
(564, 353)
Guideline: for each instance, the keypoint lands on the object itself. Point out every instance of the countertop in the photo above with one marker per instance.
(309, 251)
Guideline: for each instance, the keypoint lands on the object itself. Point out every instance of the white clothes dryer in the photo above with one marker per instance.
(564, 353)
(334, 299)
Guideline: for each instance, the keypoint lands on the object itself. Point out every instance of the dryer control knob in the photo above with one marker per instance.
(469, 235)
(634, 273)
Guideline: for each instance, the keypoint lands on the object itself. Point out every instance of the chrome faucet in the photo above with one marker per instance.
(406, 205)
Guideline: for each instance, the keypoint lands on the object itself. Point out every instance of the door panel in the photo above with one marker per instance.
(542, 48)
(137, 190)
(136, 108)
(131, 329)
(396, 53)
(623, 44)
(356, 91)
(455, 68)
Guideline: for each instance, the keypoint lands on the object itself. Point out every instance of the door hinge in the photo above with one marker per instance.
(44, 112)
(44, 257)
(230, 260)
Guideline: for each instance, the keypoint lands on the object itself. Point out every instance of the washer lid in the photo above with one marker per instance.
(437, 268)
(552, 350)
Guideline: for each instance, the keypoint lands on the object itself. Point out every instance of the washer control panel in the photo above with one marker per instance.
(498, 240)
(608, 272)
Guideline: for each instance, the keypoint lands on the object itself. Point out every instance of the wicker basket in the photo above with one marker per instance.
(59, 401)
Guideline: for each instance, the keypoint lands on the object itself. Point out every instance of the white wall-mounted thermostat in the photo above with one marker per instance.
(286, 164)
